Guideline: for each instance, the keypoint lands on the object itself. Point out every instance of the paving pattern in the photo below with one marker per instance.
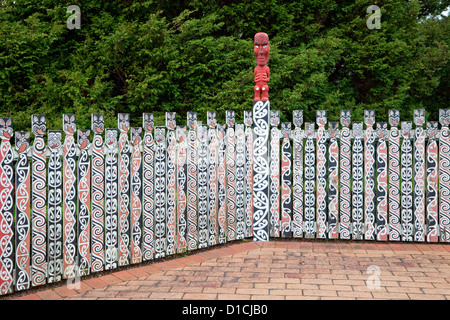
(280, 270)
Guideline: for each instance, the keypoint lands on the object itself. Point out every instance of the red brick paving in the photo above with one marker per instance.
(280, 270)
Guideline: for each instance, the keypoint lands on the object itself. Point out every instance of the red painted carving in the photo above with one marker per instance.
(262, 71)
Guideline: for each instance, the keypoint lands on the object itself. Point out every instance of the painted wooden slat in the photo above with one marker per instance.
(261, 112)
(202, 132)
(432, 183)
(357, 182)
(382, 184)
(212, 178)
(171, 184)
(83, 204)
(192, 183)
(98, 194)
(55, 217)
(111, 205)
(286, 181)
(419, 176)
(321, 183)
(248, 122)
(22, 274)
(369, 176)
(39, 231)
(69, 196)
(148, 189)
(221, 193)
(231, 176)
(345, 166)
(123, 190)
(240, 181)
(394, 177)
(181, 189)
(444, 176)
(333, 181)
(297, 190)
(310, 176)
(160, 192)
(406, 184)
(275, 136)
(6, 207)
(136, 195)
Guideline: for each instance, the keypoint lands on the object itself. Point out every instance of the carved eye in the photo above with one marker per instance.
(257, 47)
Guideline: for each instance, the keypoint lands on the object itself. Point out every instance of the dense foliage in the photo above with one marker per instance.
(159, 55)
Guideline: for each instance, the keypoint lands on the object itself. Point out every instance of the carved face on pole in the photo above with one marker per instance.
(261, 48)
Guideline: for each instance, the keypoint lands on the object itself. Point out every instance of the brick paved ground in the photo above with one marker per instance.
(279, 270)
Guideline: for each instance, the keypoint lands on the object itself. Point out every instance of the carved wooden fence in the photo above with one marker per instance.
(71, 208)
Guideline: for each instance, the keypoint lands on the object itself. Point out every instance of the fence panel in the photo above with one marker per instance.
(101, 205)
